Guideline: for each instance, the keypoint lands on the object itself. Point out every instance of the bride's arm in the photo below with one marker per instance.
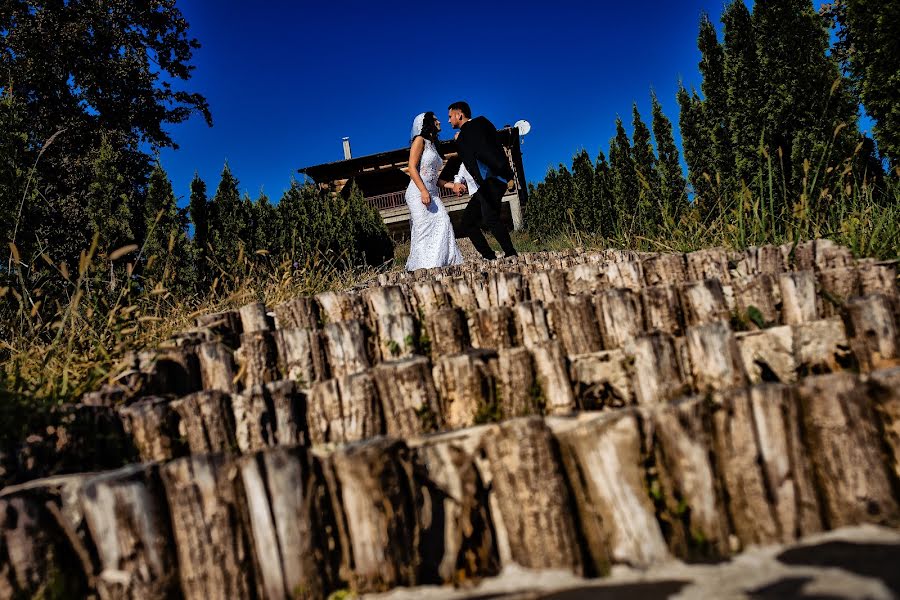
(415, 156)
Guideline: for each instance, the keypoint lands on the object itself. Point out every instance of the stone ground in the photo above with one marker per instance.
(854, 562)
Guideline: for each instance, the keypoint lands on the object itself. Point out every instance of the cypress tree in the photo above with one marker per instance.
(604, 202)
(697, 148)
(672, 186)
(108, 205)
(715, 104)
(226, 224)
(268, 226)
(744, 101)
(565, 193)
(198, 211)
(372, 245)
(167, 248)
(583, 197)
(624, 177)
(545, 211)
(644, 163)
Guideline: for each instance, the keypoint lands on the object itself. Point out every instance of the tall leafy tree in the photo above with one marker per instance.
(226, 221)
(268, 226)
(743, 94)
(869, 48)
(167, 248)
(697, 148)
(545, 213)
(672, 186)
(644, 161)
(108, 201)
(715, 103)
(624, 177)
(604, 202)
(198, 211)
(583, 198)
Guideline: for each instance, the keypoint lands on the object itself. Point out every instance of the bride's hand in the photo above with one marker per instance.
(426, 197)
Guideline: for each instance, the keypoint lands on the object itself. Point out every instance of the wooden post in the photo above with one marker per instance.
(575, 324)
(620, 316)
(715, 360)
(301, 312)
(128, 519)
(659, 374)
(821, 347)
(257, 358)
(301, 356)
(408, 397)
(493, 328)
(344, 410)
(531, 321)
(532, 496)
(601, 380)
(467, 388)
(153, 424)
(255, 317)
(519, 392)
(217, 367)
(703, 302)
(556, 395)
(664, 269)
(290, 519)
(662, 309)
(372, 483)
(689, 496)
(345, 345)
(398, 336)
(873, 332)
(798, 296)
(842, 438)
(547, 285)
(604, 461)
(447, 332)
(207, 422)
(768, 355)
(711, 263)
(209, 523)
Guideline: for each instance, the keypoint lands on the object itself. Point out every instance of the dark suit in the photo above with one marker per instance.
(481, 152)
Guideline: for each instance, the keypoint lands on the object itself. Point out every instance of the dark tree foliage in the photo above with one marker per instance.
(198, 212)
(869, 49)
(227, 222)
(604, 201)
(167, 249)
(624, 176)
(672, 193)
(644, 162)
(715, 104)
(585, 212)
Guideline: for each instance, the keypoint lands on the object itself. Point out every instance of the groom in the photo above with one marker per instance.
(484, 159)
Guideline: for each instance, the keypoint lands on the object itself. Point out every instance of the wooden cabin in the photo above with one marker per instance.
(383, 180)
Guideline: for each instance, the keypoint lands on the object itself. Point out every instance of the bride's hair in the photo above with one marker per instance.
(429, 131)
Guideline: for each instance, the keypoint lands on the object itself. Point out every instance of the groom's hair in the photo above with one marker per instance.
(463, 107)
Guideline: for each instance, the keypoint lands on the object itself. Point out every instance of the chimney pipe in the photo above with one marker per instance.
(347, 155)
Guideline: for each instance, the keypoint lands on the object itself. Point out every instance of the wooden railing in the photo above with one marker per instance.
(397, 199)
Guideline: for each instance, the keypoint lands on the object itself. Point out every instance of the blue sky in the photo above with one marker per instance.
(287, 80)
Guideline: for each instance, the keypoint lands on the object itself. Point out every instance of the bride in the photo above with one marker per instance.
(432, 241)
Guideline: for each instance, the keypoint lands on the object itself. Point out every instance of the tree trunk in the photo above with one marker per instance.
(659, 375)
(547, 286)
(604, 461)
(301, 356)
(662, 309)
(585, 279)
(519, 392)
(461, 294)
(531, 322)
(873, 332)
(620, 316)
(217, 367)
(625, 275)
(255, 317)
(467, 388)
(301, 312)
(207, 422)
(768, 355)
(821, 347)
(344, 410)
(601, 380)
(703, 302)
(757, 298)
(345, 345)
(556, 395)
(711, 263)
(836, 287)
(447, 332)
(715, 359)
(430, 297)
(532, 496)
(226, 325)
(664, 269)
(798, 297)
(408, 397)
(340, 306)
(153, 425)
(884, 389)
(574, 323)
(257, 358)
(505, 289)
(398, 336)
(493, 328)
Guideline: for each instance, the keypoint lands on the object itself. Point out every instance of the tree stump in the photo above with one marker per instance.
(757, 299)
(458, 541)
(798, 297)
(174, 371)
(447, 332)
(301, 312)
(461, 294)
(206, 422)
(505, 289)
(226, 325)
(768, 259)
(372, 483)
(620, 316)
(574, 323)
(257, 358)
(664, 269)
(519, 393)
(345, 345)
(662, 309)
(821, 347)
(872, 332)
(715, 359)
(684, 482)
(398, 336)
(430, 297)
(254, 419)
(836, 287)
(153, 425)
(659, 374)
(532, 496)
(531, 322)
(884, 389)
(384, 301)
(210, 522)
(216, 367)
(768, 355)
(340, 306)
(585, 279)
(842, 438)
(301, 356)
(555, 396)
(408, 397)
(493, 328)
(547, 286)
(255, 317)
(601, 380)
(128, 519)
(290, 519)
(288, 405)
(711, 263)
(878, 278)
(467, 388)
(829, 255)
(344, 410)
(703, 302)
(604, 461)
(478, 281)
(625, 274)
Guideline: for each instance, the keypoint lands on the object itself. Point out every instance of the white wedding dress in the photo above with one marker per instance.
(432, 241)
